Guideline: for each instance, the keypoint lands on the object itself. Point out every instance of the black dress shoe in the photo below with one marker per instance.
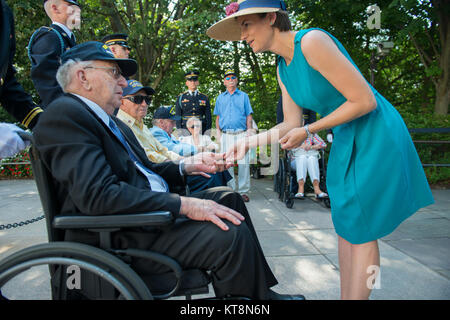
(277, 296)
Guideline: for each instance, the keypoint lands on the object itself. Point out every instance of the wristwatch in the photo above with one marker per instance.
(307, 131)
(182, 167)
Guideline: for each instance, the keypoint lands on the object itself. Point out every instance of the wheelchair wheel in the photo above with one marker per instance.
(256, 174)
(276, 179)
(289, 203)
(282, 180)
(289, 184)
(105, 266)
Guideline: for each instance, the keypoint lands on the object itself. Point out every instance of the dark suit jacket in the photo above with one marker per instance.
(12, 95)
(92, 170)
(45, 51)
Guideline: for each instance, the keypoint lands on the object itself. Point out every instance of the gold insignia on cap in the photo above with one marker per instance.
(229, 71)
(135, 84)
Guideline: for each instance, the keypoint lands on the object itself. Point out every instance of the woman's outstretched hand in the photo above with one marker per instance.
(236, 152)
(293, 139)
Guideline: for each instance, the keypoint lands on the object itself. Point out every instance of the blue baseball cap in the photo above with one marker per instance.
(166, 112)
(94, 50)
(135, 86)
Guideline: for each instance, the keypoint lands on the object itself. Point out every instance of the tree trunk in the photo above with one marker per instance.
(443, 83)
(114, 17)
(442, 98)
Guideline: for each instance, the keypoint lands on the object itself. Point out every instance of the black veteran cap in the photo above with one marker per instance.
(116, 38)
(166, 112)
(69, 1)
(192, 74)
(135, 86)
(94, 50)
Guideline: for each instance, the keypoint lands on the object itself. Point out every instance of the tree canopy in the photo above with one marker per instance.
(169, 36)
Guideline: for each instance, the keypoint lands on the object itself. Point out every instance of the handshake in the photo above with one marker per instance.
(207, 162)
(208, 210)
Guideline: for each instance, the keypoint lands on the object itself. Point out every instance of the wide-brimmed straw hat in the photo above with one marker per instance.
(228, 28)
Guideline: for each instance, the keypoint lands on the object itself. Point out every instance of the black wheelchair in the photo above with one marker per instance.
(105, 271)
(286, 185)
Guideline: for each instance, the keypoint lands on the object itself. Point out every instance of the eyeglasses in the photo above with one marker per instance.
(114, 71)
(231, 78)
(139, 99)
(192, 79)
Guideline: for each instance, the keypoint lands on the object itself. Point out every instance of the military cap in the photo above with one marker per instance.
(75, 2)
(228, 72)
(94, 50)
(192, 74)
(116, 38)
(135, 86)
(166, 112)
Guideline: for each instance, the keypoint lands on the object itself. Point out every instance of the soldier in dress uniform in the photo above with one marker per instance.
(193, 103)
(118, 44)
(47, 44)
(12, 95)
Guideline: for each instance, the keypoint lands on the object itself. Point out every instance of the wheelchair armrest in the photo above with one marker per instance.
(147, 219)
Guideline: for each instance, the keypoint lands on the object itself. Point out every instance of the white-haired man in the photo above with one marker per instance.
(99, 167)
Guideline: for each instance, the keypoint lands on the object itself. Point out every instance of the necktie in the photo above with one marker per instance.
(72, 39)
(157, 183)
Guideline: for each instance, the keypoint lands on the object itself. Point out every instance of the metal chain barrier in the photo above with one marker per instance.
(20, 224)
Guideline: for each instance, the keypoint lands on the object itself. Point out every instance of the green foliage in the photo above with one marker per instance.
(169, 36)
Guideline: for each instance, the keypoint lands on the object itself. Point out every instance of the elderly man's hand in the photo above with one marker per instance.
(204, 163)
(208, 210)
(10, 143)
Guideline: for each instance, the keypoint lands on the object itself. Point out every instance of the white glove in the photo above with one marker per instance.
(10, 142)
(330, 137)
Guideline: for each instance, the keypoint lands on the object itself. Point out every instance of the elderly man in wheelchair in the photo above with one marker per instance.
(118, 216)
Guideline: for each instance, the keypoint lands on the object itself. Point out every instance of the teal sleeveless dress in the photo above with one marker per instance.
(374, 176)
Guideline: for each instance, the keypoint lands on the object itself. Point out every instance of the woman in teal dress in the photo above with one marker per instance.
(374, 178)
